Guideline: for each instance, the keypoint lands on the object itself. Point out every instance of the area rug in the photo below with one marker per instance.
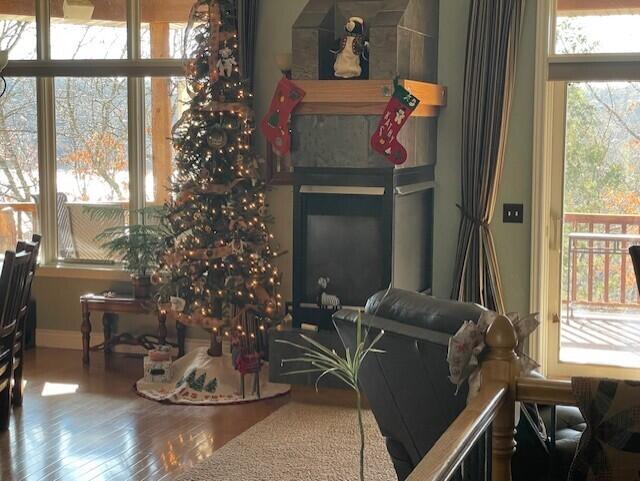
(299, 442)
(198, 378)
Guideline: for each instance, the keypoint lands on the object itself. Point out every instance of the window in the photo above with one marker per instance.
(107, 110)
(92, 166)
(594, 144)
(18, 29)
(18, 162)
(597, 26)
(162, 34)
(601, 219)
(81, 33)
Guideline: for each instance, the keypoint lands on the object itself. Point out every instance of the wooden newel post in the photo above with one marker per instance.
(501, 365)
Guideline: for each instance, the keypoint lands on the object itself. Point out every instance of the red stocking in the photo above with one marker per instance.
(396, 114)
(275, 125)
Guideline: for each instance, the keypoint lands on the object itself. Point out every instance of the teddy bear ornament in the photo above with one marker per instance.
(352, 53)
(226, 62)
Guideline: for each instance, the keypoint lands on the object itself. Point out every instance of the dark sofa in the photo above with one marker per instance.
(409, 391)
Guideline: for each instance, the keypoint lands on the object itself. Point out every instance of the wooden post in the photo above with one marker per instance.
(161, 119)
(502, 366)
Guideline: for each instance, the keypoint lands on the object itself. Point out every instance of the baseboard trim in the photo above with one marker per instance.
(60, 339)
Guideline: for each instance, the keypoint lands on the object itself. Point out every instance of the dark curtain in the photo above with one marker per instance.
(492, 44)
(247, 30)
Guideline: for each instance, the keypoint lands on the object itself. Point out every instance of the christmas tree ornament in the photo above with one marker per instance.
(275, 124)
(177, 304)
(218, 138)
(226, 62)
(352, 52)
(397, 112)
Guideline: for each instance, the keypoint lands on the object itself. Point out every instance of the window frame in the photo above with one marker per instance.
(553, 73)
(583, 66)
(45, 70)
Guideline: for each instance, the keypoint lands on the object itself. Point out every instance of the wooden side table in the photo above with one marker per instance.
(111, 307)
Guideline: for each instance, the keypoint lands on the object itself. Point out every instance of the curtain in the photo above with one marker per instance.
(492, 43)
(247, 29)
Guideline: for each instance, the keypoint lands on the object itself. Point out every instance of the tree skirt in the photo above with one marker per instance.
(198, 378)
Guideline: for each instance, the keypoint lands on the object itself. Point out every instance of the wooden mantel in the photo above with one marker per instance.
(366, 97)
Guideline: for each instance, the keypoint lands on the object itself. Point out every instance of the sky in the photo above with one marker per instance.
(613, 33)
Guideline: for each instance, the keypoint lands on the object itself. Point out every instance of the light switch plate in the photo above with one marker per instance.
(513, 214)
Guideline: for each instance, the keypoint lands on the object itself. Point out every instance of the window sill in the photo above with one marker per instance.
(80, 271)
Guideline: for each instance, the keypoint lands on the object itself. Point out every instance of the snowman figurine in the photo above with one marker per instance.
(353, 48)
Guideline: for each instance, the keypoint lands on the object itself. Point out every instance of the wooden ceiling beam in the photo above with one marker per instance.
(156, 11)
(599, 6)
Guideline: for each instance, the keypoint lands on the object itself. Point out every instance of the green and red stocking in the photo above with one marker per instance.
(275, 124)
(398, 110)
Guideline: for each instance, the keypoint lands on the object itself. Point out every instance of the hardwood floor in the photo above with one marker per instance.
(104, 430)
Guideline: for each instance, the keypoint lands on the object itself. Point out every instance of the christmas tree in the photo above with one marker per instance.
(218, 265)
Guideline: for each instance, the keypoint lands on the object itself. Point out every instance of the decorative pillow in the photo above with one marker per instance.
(609, 449)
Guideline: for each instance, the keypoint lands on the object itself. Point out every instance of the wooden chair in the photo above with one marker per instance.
(15, 270)
(32, 248)
(634, 252)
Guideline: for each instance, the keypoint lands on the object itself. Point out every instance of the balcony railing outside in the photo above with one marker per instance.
(597, 269)
(600, 307)
(19, 220)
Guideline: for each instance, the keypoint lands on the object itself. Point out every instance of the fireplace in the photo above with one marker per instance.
(361, 239)
(358, 220)
(345, 240)
(360, 223)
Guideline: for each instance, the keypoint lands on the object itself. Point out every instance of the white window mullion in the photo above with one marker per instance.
(46, 139)
(136, 115)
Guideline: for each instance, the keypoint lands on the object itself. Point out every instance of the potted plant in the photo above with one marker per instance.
(135, 245)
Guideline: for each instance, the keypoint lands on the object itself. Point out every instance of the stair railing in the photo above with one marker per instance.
(491, 411)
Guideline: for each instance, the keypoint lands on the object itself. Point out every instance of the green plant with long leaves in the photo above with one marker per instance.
(136, 245)
(346, 368)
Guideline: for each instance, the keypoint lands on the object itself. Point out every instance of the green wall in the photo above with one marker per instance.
(58, 306)
(274, 36)
(512, 240)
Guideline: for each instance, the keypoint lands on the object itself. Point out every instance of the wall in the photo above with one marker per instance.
(513, 242)
(274, 36)
(58, 306)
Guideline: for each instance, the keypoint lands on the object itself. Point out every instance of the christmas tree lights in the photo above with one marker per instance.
(218, 270)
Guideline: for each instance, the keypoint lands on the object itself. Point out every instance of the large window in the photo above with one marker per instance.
(105, 109)
(594, 215)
